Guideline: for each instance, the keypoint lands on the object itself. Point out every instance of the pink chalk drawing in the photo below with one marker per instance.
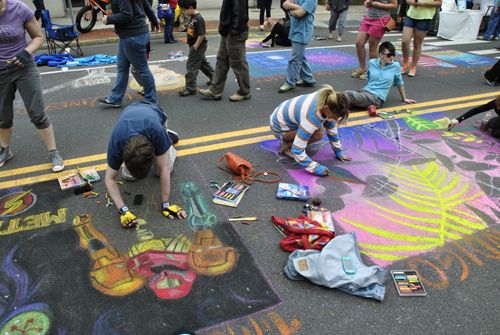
(410, 188)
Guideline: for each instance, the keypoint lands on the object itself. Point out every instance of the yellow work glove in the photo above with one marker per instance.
(127, 218)
(170, 210)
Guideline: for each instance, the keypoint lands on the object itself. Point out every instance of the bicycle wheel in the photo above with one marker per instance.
(85, 19)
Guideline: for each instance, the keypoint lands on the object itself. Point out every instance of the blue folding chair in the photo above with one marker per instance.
(60, 38)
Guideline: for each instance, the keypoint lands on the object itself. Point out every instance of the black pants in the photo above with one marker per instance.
(493, 74)
(494, 125)
(265, 6)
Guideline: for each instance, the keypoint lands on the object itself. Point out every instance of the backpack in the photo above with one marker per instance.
(165, 11)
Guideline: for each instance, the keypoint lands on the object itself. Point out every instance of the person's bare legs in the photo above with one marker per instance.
(48, 137)
(5, 136)
(361, 39)
(418, 41)
(373, 43)
(405, 47)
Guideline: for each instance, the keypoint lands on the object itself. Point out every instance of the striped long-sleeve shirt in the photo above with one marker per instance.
(301, 114)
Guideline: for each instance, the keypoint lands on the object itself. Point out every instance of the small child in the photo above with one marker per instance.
(197, 47)
(279, 33)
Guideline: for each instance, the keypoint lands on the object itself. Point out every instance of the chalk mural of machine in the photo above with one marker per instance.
(87, 15)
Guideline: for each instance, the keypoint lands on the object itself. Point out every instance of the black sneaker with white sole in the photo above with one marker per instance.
(105, 101)
(174, 137)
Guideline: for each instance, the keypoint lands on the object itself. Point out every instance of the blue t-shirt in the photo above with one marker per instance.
(381, 79)
(139, 118)
(302, 28)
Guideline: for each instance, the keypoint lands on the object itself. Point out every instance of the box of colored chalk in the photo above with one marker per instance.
(408, 283)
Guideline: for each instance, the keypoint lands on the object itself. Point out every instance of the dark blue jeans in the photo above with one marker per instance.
(132, 50)
(168, 36)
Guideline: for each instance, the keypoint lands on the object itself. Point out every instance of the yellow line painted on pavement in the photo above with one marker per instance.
(224, 145)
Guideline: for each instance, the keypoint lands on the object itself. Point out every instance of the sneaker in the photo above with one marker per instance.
(285, 88)
(174, 136)
(209, 94)
(339, 38)
(412, 72)
(330, 36)
(489, 82)
(239, 97)
(126, 175)
(363, 76)
(358, 73)
(261, 27)
(107, 102)
(56, 160)
(185, 92)
(404, 68)
(5, 155)
(305, 83)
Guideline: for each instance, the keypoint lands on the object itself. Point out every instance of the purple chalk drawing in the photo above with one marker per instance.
(410, 188)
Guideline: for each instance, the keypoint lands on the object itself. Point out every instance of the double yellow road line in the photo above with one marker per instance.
(197, 145)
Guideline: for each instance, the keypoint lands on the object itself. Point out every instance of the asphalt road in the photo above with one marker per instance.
(459, 274)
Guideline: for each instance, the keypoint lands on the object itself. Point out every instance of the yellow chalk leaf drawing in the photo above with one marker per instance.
(428, 211)
(464, 137)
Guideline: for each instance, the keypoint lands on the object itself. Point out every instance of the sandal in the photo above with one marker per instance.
(358, 74)
(405, 68)
(413, 72)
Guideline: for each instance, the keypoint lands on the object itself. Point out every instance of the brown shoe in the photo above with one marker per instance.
(239, 97)
(209, 94)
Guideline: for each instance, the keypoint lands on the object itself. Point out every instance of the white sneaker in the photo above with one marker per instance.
(5, 155)
(330, 36)
(339, 38)
(56, 160)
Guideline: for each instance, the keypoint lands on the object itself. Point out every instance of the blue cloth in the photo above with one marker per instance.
(132, 51)
(381, 79)
(66, 60)
(298, 66)
(98, 59)
(302, 28)
(325, 268)
(139, 118)
(52, 60)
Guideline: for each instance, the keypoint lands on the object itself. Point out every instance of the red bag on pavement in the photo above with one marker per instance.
(302, 233)
(243, 170)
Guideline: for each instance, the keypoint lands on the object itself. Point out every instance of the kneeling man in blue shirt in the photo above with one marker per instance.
(139, 140)
(383, 73)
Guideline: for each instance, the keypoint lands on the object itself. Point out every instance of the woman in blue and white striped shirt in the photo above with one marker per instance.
(303, 119)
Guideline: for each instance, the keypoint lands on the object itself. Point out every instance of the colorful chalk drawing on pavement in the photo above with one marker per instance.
(461, 58)
(426, 61)
(165, 79)
(410, 188)
(266, 64)
(61, 274)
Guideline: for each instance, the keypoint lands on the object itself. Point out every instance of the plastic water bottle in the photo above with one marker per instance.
(484, 121)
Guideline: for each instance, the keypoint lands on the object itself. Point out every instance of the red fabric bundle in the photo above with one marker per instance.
(302, 233)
